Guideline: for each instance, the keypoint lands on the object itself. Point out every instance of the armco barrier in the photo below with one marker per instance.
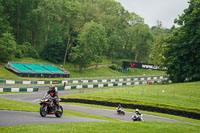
(161, 77)
(192, 115)
(15, 89)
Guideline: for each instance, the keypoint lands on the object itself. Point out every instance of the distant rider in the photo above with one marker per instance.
(54, 94)
(119, 107)
(137, 112)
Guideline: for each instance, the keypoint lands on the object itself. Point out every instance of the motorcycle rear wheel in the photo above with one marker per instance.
(123, 113)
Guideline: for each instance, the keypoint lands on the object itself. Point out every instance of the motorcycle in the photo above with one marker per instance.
(137, 117)
(120, 111)
(47, 107)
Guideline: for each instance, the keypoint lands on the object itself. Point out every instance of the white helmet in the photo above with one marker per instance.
(137, 110)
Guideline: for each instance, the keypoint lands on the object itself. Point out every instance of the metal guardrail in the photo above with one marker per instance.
(15, 89)
(83, 80)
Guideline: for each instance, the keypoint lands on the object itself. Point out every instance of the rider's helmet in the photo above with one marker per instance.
(52, 88)
(137, 110)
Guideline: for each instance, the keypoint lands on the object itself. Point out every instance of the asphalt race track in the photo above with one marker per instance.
(9, 118)
(113, 114)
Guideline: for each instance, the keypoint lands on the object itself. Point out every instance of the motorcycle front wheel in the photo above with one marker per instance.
(59, 112)
(43, 110)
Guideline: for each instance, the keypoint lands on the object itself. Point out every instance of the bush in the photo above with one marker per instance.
(116, 67)
(7, 47)
(26, 50)
(119, 69)
(113, 66)
(32, 52)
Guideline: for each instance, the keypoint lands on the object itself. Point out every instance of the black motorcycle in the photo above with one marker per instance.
(120, 111)
(47, 107)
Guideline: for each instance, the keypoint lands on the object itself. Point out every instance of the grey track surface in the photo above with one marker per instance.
(11, 118)
(32, 97)
(113, 114)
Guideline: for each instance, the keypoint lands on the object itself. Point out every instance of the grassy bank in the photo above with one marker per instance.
(99, 72)
(183, 96)
(105, 72)
(21, 106)
(18, 106)
(104, 127)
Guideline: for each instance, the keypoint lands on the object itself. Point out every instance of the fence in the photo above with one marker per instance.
(15, 89)
(86, 80)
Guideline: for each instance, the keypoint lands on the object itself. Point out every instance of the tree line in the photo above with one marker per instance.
(75, 30)
(82, 31)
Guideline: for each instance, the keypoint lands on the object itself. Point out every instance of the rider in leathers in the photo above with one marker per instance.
(54, 94)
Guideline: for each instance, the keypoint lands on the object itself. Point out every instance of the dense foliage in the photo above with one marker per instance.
(7, 47)
(85, 31)
(41, 22)
(182, 50)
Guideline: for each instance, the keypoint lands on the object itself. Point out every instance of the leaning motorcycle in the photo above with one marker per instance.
(137, 117)
(47, 107)
(120, 111)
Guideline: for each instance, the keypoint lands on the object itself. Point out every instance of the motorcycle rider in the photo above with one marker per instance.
(137, 116)
(137, 112)
(54, 94)
(119, 107)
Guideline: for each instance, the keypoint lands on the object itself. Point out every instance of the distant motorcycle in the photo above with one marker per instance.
(47, 107)
(120, 111)
(137, 117)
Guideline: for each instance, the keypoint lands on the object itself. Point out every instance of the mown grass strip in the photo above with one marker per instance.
(104, 127)
(17, 106)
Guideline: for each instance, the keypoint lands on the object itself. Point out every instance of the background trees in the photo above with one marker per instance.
(93, 44)
(7, 47)
(79, 32)
(182, 50)
(41, 23)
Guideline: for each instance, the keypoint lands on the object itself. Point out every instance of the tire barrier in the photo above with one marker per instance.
(161, 77)
(187, 114)
(15, 89)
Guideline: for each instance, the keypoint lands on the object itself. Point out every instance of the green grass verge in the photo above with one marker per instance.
(105, 71)
(99, 72)
(104, 127)
(183, 96)
(78, 114)
(32, 60)
(98, 127)
(194, 121)
(6, 104)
